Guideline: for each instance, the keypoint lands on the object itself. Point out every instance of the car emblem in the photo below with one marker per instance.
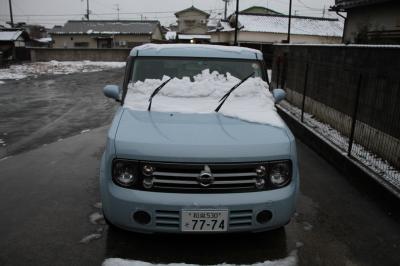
(205, 178)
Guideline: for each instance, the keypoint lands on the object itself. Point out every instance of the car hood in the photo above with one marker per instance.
(177, 137)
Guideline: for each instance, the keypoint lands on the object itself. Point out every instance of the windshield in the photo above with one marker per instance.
(156, 68)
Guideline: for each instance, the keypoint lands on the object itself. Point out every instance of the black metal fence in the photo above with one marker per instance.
(350, 96)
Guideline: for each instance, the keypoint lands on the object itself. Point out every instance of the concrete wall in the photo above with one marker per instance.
(364, 19)
(47, 54)
(68, 41)
(267, 37)
(331, 91)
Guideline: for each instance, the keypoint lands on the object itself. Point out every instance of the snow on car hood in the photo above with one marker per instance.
(251, 102)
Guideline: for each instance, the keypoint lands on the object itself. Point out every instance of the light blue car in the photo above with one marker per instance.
(195, 173)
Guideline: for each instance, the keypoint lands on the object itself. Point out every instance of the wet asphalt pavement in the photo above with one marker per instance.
(49, 198)
(37, 111)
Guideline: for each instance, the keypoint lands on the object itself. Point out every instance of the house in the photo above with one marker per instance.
(105, 33)
(267, 29)
(192, 25)
(259, 10)
(370, 21)
(13, 44)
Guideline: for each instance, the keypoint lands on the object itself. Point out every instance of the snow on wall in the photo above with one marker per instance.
(279, 24)
(251, 102)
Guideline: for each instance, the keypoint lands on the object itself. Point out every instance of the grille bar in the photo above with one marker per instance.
(175, 177)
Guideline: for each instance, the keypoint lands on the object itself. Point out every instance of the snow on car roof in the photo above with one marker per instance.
(196, 50)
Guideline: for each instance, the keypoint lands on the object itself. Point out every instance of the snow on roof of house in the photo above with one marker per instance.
(138, 27)
(10, 35)
(196, 50)
(170, 35)
(193, 36)
(45, 40)
(279, 24)
(347, 4)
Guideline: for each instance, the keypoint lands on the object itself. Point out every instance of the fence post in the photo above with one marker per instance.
(304, 94)
(354, 116)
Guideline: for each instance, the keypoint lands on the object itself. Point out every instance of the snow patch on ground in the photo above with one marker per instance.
(291, 260)
(251, 102)
(98, 205)
(1, 82)
(89, 238)
(15, 72)
(85, 131)
(376, 164)
(2, 142)
(307, 226)
(96, 218)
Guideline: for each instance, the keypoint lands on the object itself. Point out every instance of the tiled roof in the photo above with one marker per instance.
(139, 27)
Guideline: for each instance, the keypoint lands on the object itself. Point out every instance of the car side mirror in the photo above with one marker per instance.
(278, 94)
(112, 91)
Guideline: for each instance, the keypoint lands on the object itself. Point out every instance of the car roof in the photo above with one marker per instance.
(196, 50)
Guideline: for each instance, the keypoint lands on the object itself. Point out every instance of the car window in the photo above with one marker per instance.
(156, 68)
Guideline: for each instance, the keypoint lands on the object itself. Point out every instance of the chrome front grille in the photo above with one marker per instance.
(185, 177)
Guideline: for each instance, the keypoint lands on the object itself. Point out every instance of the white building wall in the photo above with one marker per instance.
(267, 37)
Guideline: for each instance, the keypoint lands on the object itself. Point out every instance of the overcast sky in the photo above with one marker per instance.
(56, 12)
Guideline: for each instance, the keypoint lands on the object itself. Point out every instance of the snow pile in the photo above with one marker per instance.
(251, 101)
(291, 260)
(55, 67)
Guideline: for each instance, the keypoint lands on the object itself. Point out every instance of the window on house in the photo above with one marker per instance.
(81, 44)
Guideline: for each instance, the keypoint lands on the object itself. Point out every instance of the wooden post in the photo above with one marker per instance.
(304, 93)
(354, 116)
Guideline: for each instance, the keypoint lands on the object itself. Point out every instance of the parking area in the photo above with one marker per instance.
(49, 196)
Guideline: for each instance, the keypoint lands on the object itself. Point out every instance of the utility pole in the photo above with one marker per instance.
(11, 14)
(235, 43)
(87, 9)
(226, 8)
(117, 5)
(290, 20)
(323, 12)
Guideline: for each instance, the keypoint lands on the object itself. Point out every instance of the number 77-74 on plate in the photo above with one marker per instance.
(204, 220)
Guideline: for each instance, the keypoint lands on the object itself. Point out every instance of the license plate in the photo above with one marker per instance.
(204, 220)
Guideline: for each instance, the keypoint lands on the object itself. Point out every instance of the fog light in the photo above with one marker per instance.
(261, 171)
(264, 216)
(148, 170)
(260, 182)
(148, 182)
(142, 217)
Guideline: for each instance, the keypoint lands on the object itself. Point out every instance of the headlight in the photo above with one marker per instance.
(124, 173)
(280, 173)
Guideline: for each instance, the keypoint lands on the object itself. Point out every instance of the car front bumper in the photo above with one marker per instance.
(119, 205)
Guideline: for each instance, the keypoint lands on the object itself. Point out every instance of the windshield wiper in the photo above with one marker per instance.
(155, 92)
(223, 99)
